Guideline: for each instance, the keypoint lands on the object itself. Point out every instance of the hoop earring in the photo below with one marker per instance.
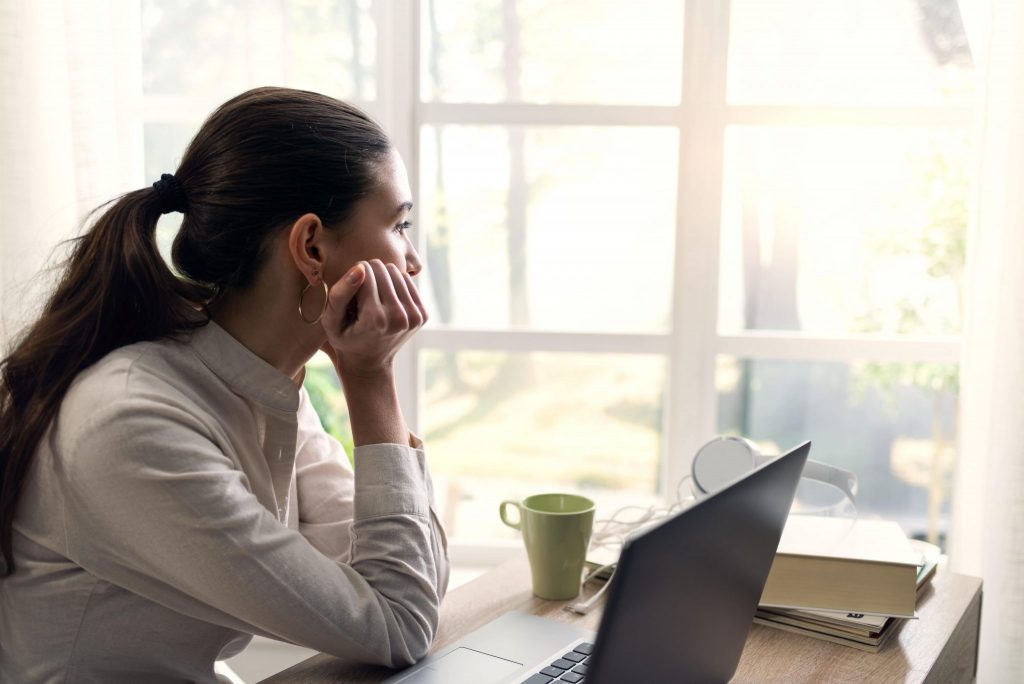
(302, 297)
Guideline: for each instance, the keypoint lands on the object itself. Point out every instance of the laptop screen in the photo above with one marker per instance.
(684, 594)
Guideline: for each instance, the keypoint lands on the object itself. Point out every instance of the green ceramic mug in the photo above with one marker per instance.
(556, 531)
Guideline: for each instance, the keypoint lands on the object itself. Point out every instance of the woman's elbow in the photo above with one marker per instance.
(416, 636)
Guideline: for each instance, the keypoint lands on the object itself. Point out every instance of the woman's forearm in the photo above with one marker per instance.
(373, 408)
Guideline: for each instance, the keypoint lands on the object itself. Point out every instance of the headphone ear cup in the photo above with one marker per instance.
(720, 462)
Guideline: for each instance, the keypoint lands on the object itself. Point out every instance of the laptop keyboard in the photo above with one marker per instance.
(571, 667)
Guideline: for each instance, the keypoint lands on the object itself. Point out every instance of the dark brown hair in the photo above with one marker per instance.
(261, 160)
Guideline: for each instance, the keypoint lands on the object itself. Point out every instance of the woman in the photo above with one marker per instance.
(167, 489)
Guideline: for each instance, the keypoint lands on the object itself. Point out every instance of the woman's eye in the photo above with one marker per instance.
(403, 226)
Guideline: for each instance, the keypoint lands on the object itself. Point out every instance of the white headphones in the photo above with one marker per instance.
(727, 458)
(715, 465)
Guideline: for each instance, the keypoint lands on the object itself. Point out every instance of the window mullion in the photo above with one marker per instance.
(527, 341)
(805, 116)
(531, 114)
(846, 348)
(690, 414)
(398, 88)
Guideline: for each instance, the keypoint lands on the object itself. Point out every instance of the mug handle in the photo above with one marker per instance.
(503, 512)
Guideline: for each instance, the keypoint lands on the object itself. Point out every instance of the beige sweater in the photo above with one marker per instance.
(188, 498)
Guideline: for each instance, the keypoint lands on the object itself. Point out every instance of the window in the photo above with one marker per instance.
(645, 226)
(846, 149)
(644, 223)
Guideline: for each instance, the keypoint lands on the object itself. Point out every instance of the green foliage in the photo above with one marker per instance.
(939, 240)
(325, 393)
(933, 378)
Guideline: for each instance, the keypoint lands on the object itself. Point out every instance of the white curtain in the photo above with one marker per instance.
(987, 536)
(70, 75)
(71, 138)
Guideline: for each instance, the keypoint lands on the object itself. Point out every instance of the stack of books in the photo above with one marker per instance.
(851, 582)
(857, 630)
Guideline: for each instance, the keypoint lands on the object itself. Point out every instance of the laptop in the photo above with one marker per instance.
(679, 608)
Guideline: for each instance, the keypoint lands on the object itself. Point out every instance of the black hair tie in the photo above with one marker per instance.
(172, 195)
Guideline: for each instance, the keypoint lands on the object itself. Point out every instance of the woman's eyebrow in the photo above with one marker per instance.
(404, 206)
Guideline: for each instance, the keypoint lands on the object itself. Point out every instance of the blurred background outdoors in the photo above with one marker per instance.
(838, 228)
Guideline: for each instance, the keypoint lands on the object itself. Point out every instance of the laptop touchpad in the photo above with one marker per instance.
(464, 666)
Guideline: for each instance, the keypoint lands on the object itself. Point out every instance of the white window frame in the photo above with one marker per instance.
(693, 341)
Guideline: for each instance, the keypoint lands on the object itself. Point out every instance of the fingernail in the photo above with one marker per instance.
(356, 275)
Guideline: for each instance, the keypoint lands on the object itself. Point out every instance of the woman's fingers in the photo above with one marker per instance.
(387, 300)
(415, 294)
(391, 317)
(341, 294)
(389, 312)
(412, 312)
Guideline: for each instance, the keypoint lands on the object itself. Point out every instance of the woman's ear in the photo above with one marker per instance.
(306, 246)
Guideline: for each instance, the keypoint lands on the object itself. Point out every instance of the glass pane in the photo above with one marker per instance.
(837, 52)
(553, 228)
(331, 47)
(590, 51)
(892, 424)
(193, 48)
(500, 426)
(222, 47)
(834, 231)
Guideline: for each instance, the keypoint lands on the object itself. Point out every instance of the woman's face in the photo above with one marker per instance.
(378, 227)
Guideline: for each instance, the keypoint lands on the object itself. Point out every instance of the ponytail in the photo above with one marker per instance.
(115, 289)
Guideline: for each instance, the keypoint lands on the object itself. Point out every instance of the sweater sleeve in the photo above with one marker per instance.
(152, 505)
(325, 485)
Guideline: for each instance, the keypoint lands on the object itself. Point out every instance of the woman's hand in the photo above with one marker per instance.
(388, 311)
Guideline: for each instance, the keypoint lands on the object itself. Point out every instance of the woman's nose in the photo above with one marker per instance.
(413, 265)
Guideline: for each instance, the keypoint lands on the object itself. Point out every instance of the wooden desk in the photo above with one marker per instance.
(941, 646)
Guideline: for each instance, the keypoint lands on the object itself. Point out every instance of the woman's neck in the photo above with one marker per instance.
(269, 328)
